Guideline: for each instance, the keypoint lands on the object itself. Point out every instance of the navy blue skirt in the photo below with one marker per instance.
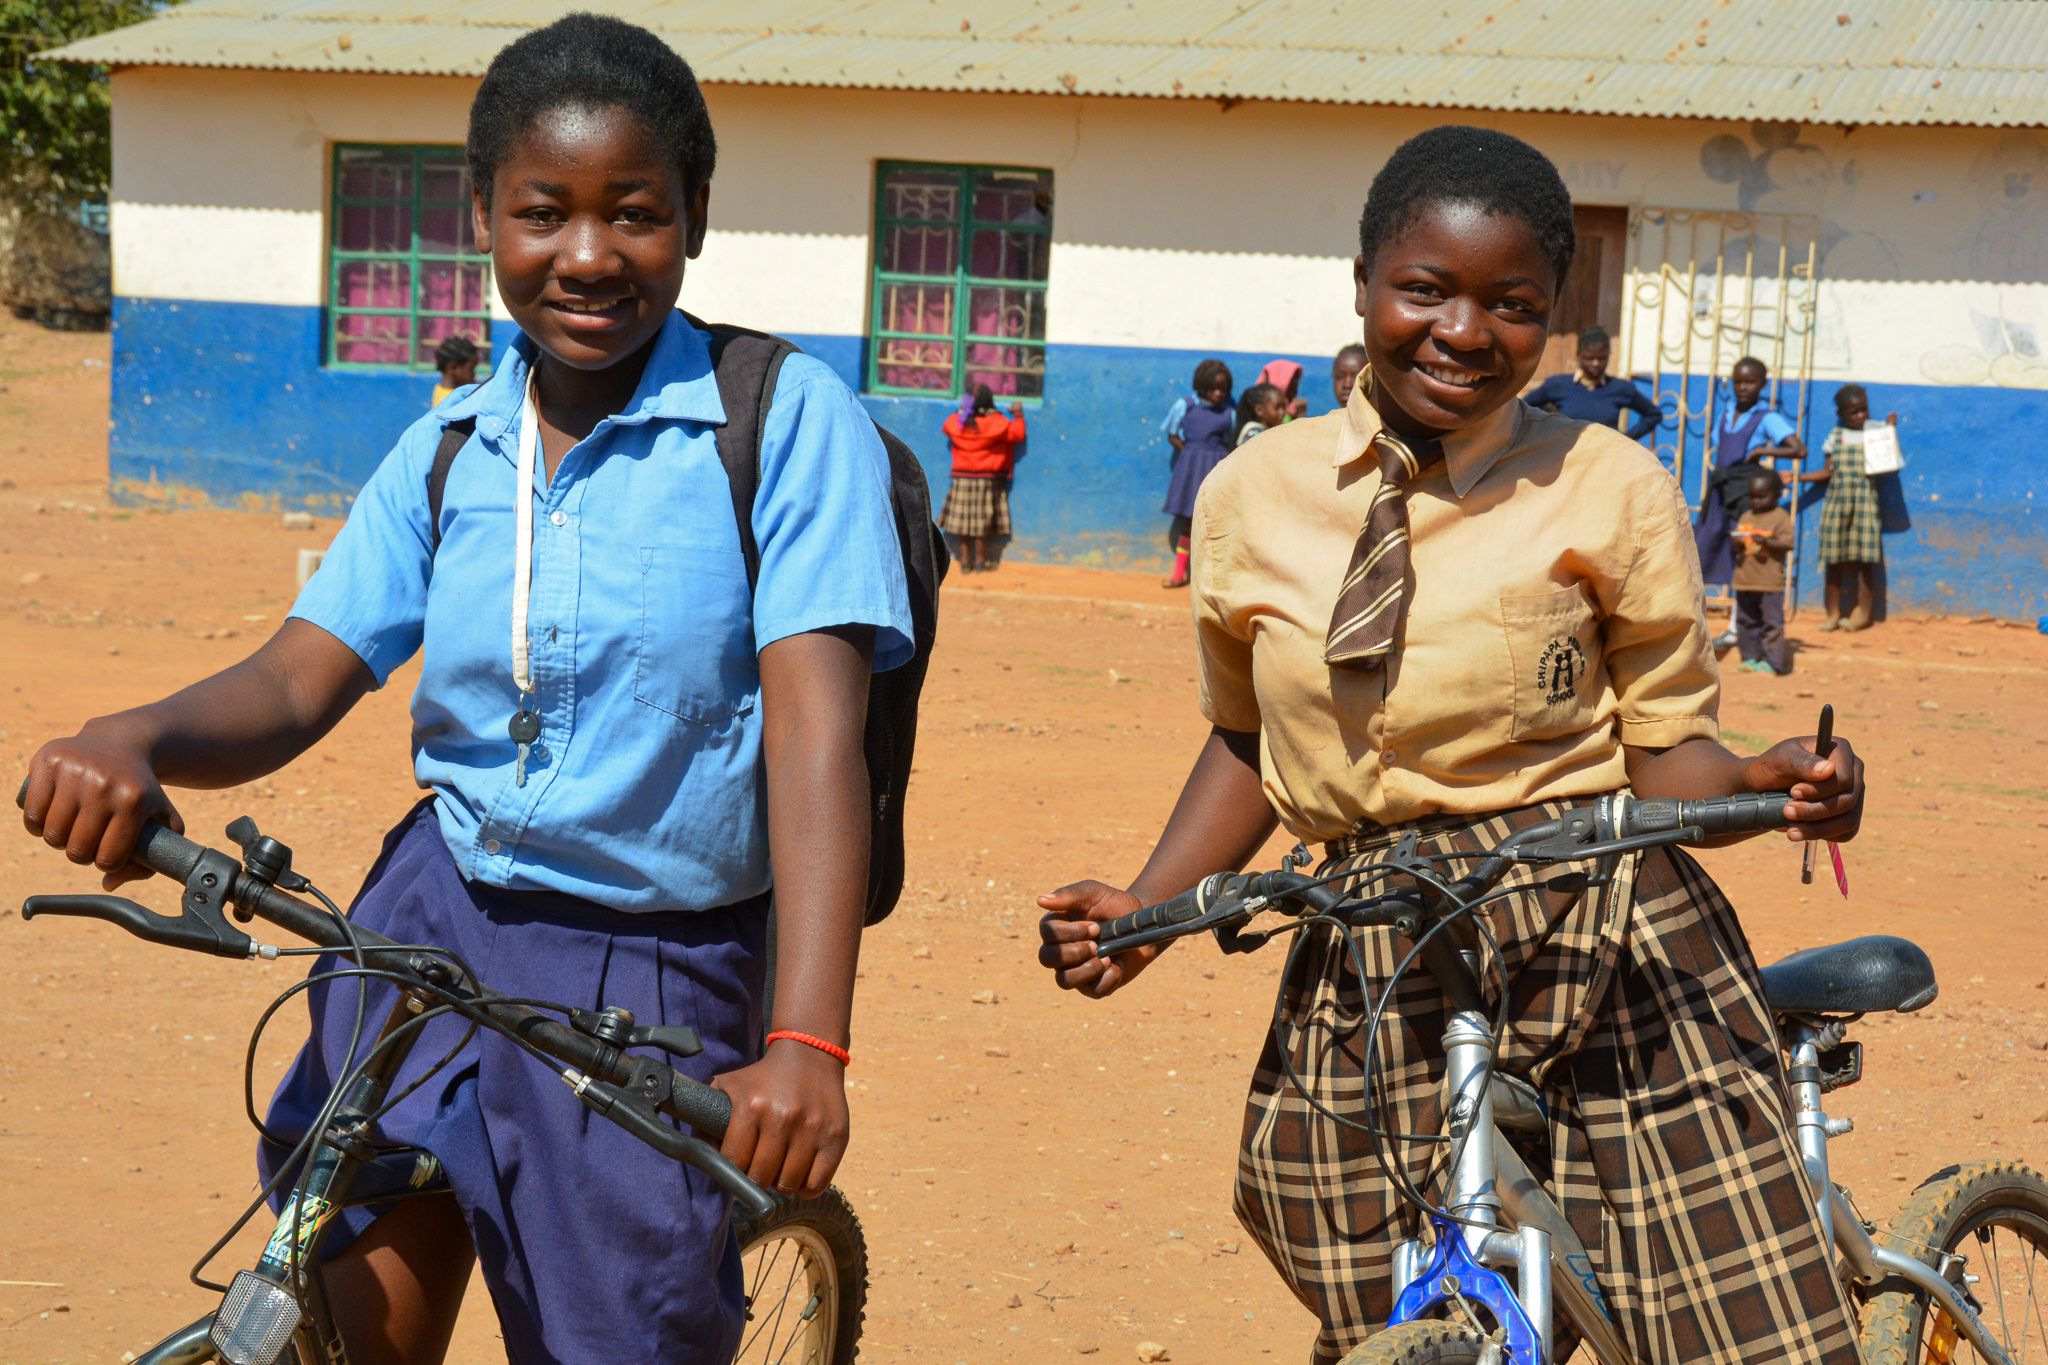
(596, 1248)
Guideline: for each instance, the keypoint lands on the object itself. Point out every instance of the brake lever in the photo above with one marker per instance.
(639, 1120)
(201, 928)
(1566, 850)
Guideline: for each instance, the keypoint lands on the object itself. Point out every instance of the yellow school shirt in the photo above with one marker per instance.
(1556, 614)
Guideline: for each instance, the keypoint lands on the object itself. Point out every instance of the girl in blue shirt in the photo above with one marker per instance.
(685, 727)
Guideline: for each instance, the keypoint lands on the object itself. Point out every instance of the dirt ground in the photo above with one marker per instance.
(1070, 1158)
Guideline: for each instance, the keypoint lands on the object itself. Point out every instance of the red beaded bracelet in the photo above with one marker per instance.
(829, 1049)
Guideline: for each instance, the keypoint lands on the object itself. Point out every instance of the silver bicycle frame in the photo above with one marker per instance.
(1514, 1223)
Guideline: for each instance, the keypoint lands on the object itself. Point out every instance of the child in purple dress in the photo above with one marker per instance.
(1206, 432)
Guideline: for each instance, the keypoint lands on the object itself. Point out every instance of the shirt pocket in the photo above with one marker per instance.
(696, 652)
(1554, 649)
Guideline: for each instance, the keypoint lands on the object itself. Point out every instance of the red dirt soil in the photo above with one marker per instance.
(1073, 1157)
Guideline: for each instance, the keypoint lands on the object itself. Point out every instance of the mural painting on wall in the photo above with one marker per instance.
(2009, 184)
(1775, 171)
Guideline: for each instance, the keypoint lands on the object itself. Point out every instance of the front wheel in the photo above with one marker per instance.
(1420, 1343)
(806, 1268)
(1994, 1216)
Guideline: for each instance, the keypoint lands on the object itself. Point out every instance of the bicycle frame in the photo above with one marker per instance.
(1490, 1182)
(287, 1291)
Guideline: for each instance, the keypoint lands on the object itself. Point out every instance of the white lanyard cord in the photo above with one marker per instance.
(522, 553)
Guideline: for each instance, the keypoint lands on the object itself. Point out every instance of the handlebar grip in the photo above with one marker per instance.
(1715, 816)
(1177, 910)
(162, 849)
(704, 1107)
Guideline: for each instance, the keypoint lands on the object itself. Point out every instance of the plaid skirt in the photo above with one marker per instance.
(976, 506)
(1639, 1015)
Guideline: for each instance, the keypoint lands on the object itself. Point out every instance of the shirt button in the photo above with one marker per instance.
(491, 845)
(560, 518)
(1388, 757)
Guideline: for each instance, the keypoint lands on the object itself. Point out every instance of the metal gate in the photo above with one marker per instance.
(1703, 289)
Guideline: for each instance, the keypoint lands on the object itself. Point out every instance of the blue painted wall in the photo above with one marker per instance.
(229, 401)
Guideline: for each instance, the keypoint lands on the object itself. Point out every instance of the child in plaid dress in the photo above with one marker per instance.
(1851, 543)
(1528, 633)
(977, 509)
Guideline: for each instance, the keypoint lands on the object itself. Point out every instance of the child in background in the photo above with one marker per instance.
(984, 446)
(1285, 376)
(1851, 546)
(1592, 395)
(1761, 541)
(1261, 407)
(1344, 370)
(1206, 431)
(1750, 430)
(456, 359)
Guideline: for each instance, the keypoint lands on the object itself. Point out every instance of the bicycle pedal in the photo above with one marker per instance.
(255, 1322)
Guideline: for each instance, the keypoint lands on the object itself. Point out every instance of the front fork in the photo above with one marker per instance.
(1471, 1244)
(284, 1299)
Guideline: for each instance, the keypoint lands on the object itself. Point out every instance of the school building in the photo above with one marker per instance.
(1075, 201)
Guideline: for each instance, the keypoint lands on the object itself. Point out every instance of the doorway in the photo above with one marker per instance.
(1592, 293)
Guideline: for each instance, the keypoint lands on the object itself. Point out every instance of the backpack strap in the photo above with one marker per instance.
(454, 437)
(746, 365)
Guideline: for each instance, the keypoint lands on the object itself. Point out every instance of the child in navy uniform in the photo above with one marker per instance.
(687, 726)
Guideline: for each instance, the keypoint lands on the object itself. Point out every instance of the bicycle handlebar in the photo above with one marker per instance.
(703, 1107)
(1627, 824)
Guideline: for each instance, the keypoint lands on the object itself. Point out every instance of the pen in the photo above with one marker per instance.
(1823, 745)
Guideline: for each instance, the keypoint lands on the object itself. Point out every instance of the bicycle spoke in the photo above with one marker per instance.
(767, 1264)
(2034, 1304)
(804, 1325)
(1997, 1277)
(772, 1327)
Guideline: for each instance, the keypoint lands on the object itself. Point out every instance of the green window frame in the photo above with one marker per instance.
(959, 289)
(403, 270)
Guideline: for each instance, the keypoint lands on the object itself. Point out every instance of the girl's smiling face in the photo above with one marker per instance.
(1456, 311)
(588, 230)
(1855, 412)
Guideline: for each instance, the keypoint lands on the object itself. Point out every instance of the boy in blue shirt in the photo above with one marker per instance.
(584, 586)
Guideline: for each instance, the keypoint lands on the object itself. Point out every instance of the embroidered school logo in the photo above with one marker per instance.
(1559, 670)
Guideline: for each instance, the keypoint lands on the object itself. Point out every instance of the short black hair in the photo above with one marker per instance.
(590, 61)
(1750, 360)
(455, 350)
(1850, 393)
(1456, 164)
(1356, 348)
(1596, 335)
(1209, 374)
(1764, 474)
(1253, 396)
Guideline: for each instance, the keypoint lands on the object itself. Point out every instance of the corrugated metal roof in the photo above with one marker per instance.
(1808, 61)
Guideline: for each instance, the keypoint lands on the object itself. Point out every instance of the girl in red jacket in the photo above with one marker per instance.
(977, 506)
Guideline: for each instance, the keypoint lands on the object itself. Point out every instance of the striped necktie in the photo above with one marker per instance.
(1369, 604)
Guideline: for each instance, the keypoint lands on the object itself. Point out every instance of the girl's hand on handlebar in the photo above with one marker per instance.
(789, 1120)
(90, 796)
(1827, 793)
(1071, 926)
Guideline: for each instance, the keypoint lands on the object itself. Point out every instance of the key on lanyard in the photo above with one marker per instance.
(524, 728)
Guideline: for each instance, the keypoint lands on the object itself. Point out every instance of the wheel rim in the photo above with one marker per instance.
(792, 1300)
(2006, 1250)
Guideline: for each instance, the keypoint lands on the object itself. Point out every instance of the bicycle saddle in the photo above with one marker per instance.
(1874, 975)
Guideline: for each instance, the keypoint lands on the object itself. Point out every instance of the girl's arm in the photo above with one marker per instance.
(1220, 821)
(789, 1120)
(1646, 409)
(1827, 793)
(91, 794)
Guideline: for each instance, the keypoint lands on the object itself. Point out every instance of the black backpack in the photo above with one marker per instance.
(746, 364)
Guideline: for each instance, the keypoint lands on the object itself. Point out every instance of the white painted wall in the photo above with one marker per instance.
(1176, 224)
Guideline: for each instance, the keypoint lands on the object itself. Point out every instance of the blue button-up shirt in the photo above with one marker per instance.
(645, 788)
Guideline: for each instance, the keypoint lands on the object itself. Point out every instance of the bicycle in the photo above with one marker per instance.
(805, 1261)
(1970, 1225)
